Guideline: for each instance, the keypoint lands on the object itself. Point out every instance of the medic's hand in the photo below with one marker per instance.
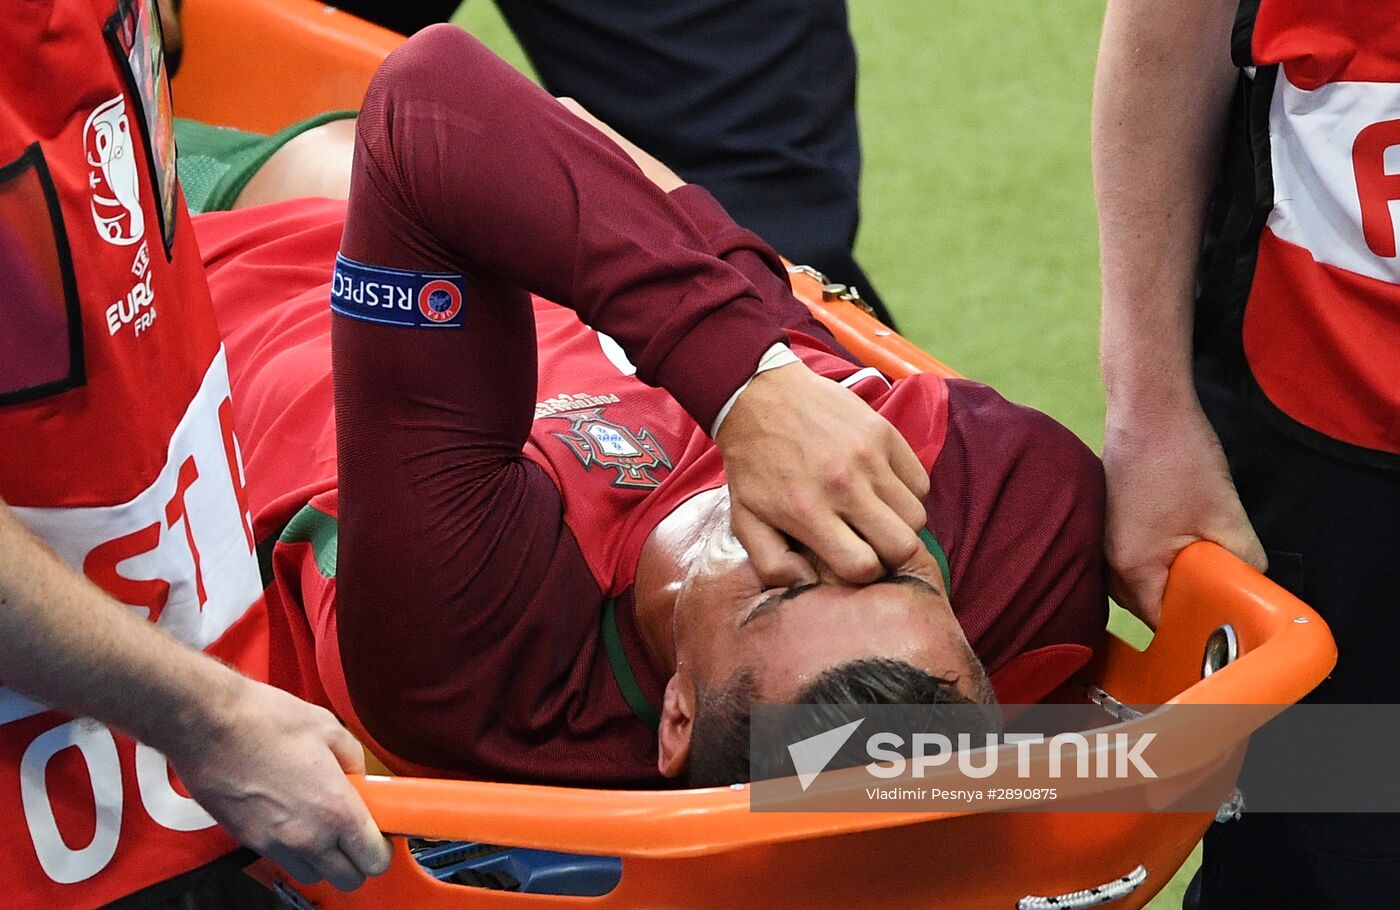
(1168, 486)
(809, 459)
(271, 769)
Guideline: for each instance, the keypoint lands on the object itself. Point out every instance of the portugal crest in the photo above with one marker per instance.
(601, 442)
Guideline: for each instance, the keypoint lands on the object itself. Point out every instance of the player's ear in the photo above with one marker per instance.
(677, 723)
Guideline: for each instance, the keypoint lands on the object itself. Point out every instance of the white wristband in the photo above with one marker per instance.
(779, 355)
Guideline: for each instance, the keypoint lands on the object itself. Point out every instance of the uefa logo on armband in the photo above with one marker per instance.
(439, 301)
(402, 297)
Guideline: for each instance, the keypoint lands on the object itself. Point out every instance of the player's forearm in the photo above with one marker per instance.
(1161, 95)
(511, 185)
(737, 246)
(67, 644)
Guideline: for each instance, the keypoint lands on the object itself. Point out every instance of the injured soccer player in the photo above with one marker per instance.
(505, 471)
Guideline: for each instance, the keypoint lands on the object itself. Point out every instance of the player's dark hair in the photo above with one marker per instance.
(719, 740)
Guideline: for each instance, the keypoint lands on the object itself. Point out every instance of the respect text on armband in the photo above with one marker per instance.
(399, 297)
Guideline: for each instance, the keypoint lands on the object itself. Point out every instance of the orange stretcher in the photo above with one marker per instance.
(263, 64)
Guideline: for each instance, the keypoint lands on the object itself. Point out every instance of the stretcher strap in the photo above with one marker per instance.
(1114, 708)
(1089, 897)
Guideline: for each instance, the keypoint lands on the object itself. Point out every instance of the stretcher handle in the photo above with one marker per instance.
(1286, 646)
(642, 823)
(648, 824)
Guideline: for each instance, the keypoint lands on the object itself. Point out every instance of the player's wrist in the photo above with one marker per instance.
(717, 355)
(777, 356)
(778, 388)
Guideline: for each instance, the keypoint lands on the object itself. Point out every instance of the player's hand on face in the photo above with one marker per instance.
(654, 170)
(809, 460)
(272, 772)
(1168, 487)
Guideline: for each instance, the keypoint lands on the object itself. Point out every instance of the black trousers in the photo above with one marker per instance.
(1332, 533)
(752, 99)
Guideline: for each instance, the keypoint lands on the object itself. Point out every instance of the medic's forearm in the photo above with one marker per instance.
(509, 183)
(1161, 96)
(65, 643)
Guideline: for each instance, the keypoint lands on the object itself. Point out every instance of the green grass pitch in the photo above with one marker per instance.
(978, 216)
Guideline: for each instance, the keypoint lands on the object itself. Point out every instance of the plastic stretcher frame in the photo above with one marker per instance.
(262, 64)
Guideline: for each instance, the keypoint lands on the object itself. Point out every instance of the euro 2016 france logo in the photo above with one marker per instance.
(439, 301)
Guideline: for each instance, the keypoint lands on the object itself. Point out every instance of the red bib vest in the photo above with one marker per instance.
(116, 435)
(1311, 294)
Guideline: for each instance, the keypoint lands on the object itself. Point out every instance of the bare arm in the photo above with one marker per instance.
(1161, 96)
(266, 765)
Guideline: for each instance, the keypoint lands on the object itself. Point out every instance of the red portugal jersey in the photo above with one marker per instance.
(521, 660)
(1300, 288)
(117, 443)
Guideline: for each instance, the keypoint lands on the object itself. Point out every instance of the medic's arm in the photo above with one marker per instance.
(1161, 96)
(265, 764)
